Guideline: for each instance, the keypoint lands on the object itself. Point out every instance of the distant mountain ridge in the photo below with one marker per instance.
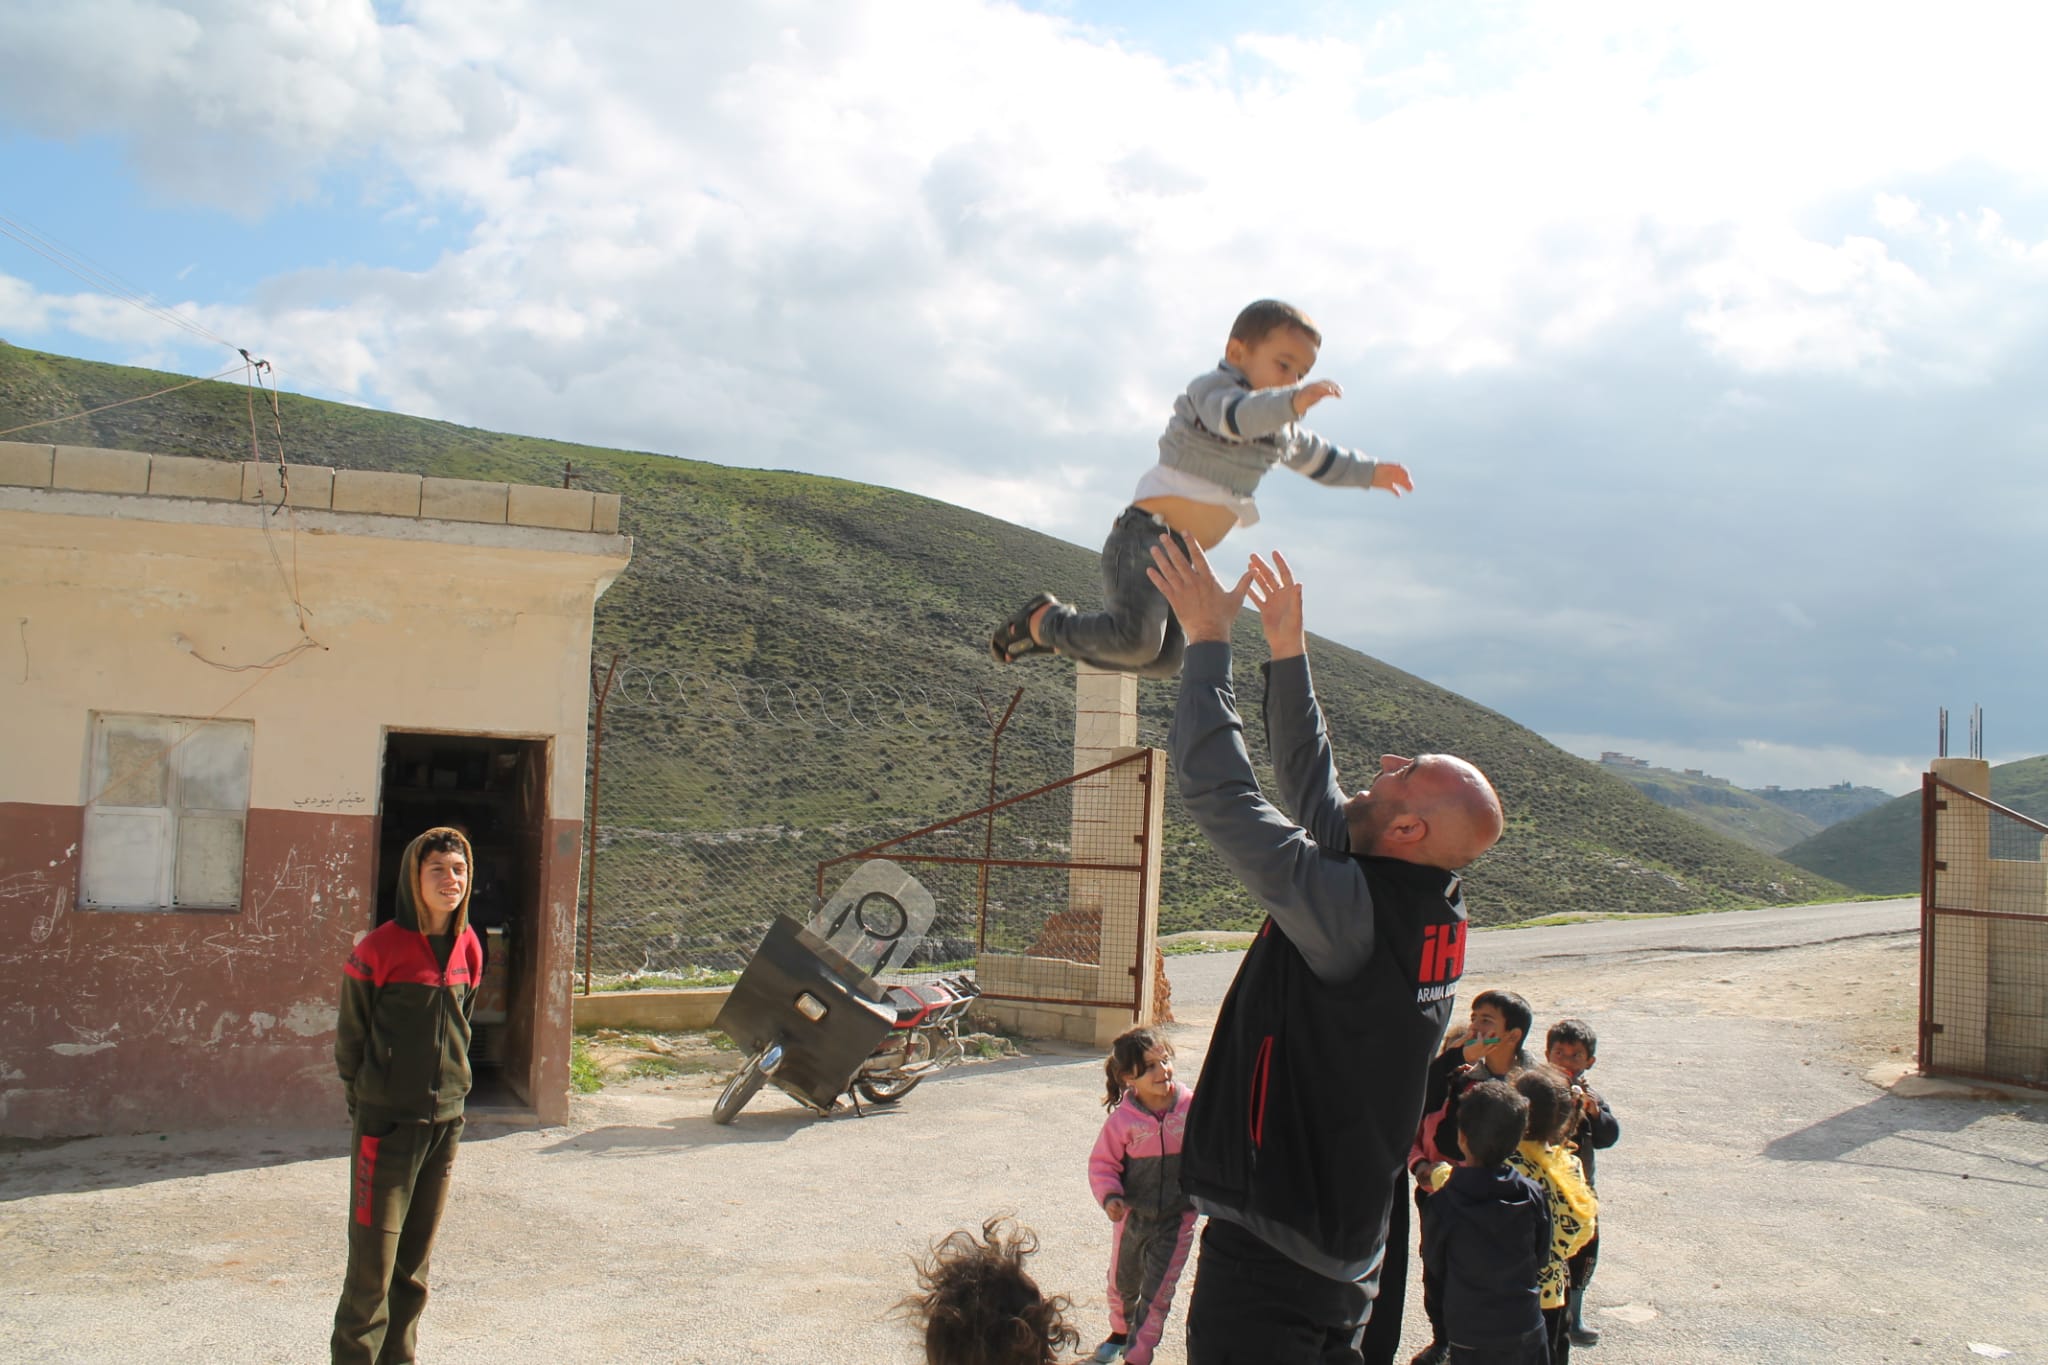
(1770, 820)
(776, 575)
(1879, 850)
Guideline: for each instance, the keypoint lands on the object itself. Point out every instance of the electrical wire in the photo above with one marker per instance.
(102, 279)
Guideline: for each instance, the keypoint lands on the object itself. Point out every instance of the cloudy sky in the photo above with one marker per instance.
(1713, 334)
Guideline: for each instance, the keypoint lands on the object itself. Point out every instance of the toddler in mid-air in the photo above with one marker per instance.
(1231, 426)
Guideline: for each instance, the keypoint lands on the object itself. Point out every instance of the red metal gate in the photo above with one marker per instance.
(1035, 902)
(1983, 939)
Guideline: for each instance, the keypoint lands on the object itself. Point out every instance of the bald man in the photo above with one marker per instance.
(1312, 1087)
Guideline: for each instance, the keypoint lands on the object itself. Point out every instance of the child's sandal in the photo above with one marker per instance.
(1012, 639)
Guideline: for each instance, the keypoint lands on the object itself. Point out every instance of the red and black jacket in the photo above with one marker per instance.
(402, 1037)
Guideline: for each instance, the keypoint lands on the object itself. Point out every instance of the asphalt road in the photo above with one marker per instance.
(1508, 952)
(1767, 1203)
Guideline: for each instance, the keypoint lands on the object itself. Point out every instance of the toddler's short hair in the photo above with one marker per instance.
(1550, 1102)
(1491, 1119)
(1259, 319)
(1573, 1031)
(980, 1307)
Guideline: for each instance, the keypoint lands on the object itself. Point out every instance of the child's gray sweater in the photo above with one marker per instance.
(1229, 433)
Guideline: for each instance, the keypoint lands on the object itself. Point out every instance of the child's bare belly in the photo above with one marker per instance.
(1204, 522)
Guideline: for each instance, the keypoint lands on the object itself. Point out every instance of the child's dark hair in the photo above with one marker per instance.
(1491, 1119)
(980, 1307)
(1514, 1011)
(1550, 1102)
(1126, 1055)
(1573, 1031)
(1260, 319)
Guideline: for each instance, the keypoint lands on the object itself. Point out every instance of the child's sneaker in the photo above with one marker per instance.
(1107, 1351)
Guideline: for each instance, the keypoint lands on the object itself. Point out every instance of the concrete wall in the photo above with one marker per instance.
(156, 585)
(671, 1011)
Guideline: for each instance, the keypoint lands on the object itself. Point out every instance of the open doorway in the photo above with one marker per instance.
(494, 789)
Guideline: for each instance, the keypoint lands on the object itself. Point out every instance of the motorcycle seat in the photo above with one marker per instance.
(912, 1006)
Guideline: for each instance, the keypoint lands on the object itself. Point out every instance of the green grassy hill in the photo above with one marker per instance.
(1879, 850)
(1770, 821)
(798, 577)
(1826, 806)
(1741, 815)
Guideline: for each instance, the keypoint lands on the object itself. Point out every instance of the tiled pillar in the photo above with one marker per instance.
(1116, 819)
(1105, 721)
(1962, 833)
(1105, 714)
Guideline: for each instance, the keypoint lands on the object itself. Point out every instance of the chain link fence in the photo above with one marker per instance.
(1984, 939)
(714, 800)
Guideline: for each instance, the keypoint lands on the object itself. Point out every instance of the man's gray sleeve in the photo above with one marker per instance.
(1303, 768)
(1318, 899)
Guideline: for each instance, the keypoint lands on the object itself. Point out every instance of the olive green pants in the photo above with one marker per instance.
(398, 1185)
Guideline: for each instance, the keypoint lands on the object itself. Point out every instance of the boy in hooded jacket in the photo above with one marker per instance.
(1486, 1238)
(402, 1047)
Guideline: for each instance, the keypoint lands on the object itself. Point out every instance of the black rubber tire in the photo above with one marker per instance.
(886, 1092)
(744, 1085)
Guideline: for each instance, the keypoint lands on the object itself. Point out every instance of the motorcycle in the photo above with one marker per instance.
(813, 1020)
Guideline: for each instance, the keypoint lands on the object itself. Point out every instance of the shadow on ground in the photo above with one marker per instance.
(1922, 1136)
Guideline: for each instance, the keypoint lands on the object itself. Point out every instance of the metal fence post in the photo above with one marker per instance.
(590, 838)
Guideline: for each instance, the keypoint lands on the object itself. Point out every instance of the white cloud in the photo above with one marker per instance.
(908, 166)
(1647, 292)
(22, 309)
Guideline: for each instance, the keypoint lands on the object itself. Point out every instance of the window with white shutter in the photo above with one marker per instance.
(170, 805)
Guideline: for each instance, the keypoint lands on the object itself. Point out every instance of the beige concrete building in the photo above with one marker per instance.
(227, 701)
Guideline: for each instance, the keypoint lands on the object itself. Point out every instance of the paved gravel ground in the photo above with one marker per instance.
(1767, 1203)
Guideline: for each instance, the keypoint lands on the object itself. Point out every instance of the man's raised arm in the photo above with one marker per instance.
(1304, 769)
(1318, 899)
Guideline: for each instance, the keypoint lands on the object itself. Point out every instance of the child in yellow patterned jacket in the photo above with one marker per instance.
(1545, 1159)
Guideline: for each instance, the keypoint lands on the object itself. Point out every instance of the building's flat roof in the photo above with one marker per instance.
(87, 481)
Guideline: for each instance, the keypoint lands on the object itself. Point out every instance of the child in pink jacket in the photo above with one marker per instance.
(1135, 1174)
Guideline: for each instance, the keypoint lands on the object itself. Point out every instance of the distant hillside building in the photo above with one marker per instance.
(1621, 760)
(226, 712)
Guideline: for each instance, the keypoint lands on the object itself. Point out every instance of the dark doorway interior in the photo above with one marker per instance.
(494, 789)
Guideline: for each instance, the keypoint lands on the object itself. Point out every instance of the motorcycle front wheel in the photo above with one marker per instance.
(885, 1089)
(744, 1085)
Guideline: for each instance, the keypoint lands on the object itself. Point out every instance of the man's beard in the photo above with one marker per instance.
(1369, 823)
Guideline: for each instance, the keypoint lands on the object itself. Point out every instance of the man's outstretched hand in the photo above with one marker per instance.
(1278, 598)
(1203, 606)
